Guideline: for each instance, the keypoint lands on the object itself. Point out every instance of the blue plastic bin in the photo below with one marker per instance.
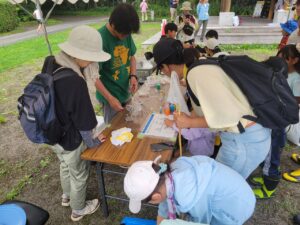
(137, 221)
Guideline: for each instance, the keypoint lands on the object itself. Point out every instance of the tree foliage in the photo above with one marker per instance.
(8, 17)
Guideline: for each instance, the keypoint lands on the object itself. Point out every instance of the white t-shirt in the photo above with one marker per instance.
(294, 83)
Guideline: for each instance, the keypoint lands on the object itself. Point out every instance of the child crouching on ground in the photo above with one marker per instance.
(208, 191)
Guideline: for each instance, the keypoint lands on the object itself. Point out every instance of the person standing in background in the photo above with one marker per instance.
(202, 12)
(38, 15)
(186, 23)
(144, 7)
(173, 9)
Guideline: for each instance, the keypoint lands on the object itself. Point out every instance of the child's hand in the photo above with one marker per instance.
(169, 123)
(181, 120)
(101, 138)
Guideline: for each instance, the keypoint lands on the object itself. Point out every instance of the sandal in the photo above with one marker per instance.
(293, 176)
(296, 158)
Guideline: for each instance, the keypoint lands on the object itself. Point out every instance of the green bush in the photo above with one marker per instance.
(24, 16)
(8, 17)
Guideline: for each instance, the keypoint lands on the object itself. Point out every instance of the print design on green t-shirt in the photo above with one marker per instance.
(120, 58)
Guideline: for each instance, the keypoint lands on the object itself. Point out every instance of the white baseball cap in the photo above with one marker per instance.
(140, 181)
(211, 43)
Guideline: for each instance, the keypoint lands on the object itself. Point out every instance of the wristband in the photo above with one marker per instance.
(132, 75)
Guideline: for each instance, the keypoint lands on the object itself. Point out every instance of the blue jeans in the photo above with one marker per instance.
(244, 152)
(272, 162)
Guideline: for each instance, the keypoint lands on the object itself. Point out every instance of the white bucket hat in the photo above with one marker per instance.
(85, 43)
(140, 181)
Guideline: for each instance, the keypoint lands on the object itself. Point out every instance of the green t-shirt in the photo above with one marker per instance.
(114, 73)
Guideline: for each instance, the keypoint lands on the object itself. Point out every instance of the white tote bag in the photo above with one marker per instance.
(175, 95)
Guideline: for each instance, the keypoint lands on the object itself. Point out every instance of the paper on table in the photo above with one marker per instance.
(156, 127)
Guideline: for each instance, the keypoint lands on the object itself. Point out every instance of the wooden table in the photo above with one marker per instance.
(138, 149)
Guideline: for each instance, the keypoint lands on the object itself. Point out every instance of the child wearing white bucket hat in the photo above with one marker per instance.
(74, 64)
(192, 185)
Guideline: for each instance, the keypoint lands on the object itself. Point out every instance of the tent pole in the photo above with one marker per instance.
(38, 6)
(49, 13)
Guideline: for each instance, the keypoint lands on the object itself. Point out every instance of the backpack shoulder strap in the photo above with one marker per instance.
(59, 73)
(62, 72)
(48, 65)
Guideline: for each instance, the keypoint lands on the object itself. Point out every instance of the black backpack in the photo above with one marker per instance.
(37, 105)
(265, 86)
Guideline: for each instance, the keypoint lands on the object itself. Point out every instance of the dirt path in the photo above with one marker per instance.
(68, 22)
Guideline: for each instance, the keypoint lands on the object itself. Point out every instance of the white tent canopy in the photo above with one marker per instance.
(43, 1)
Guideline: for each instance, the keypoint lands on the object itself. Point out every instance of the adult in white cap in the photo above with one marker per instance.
(186, 24)
(208, 191)
(77, 61)
(118, 75)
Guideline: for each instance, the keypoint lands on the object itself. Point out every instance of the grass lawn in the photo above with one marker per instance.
(29, 51)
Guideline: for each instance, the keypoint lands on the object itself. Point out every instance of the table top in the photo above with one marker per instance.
(139, 148)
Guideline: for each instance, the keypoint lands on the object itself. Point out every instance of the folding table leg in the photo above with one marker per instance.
(101, 186)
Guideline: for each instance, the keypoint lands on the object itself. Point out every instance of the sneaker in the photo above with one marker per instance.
(263, 193)
(90, 207)
(65, 200)
(256, 181)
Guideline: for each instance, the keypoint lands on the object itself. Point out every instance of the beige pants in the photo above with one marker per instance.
(144, 16)
(173, 13)
(74, 173)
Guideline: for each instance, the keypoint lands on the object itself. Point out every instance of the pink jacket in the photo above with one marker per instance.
(144, 6)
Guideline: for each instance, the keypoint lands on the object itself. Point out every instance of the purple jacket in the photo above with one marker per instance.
(201, 141)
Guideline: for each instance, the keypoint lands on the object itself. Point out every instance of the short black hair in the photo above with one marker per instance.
(212, 34)
(125, 19)
(168, 51)
(190, 55)
(298, 2)
(290, 51)
(170, 27)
